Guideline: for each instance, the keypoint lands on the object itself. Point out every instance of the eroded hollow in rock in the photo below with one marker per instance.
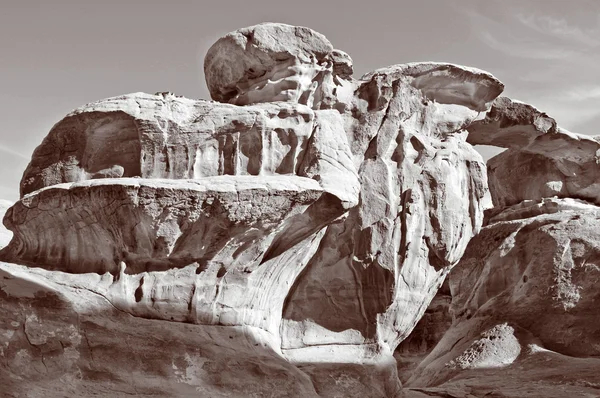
(111, 142)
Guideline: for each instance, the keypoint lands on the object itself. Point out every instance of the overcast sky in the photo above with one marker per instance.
(60, 54)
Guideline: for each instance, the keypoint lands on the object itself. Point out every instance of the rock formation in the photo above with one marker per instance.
(542, 159)
(524, 305)
(288, 237)
(524, 294)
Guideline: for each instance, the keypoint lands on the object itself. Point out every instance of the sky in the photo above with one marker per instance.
(58, 55)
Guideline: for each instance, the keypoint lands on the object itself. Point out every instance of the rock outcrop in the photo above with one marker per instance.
(276, 62)
(400, 242)
(291, 235)
(523, 295)
(524, 302)
(59, 338)
(350, 200)
(155, 225)
(542, 159)
(168, 137)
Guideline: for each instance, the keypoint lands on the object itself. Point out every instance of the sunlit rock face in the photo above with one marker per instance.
(316, 214)
(423, 191)
(167, 137)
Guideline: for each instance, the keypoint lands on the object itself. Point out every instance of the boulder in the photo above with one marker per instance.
(273, 62)
(256, 53)
(524, 304)
(510, 124)
(542, 159)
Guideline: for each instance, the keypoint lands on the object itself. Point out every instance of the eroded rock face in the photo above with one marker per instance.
(523, 301)
(60, 338)
(163, 136)
(322, 215)
(511, 124)
(400, 242)
(276, 62)
(523, 293)
(161, 224)
(430, 329)
(540, 271)
(542, 159)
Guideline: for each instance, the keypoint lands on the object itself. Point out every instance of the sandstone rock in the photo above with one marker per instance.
(274, 62)
(377, 270)
(152, 136)
(447, 83)
(532, 208)
(540, 271)
(537, 373)
(542, 161)
(511, 124)
(407, 143)
(317, 221)
(523, 300)
(427, 333)
(453, 97)
(161, 224)
(562, 164)
(60, 338)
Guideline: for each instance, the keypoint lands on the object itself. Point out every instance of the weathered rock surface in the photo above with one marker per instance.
(511, 124)
(292, 235)
(163, 136)
(59, 338)
(403, 193)
(377, 269)
(161, 224)
(273, 62)
(447, 83)
(542, 159)
(244, 60)
(524, 301)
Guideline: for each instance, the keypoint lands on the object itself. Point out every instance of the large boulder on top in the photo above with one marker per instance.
(245, 57)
